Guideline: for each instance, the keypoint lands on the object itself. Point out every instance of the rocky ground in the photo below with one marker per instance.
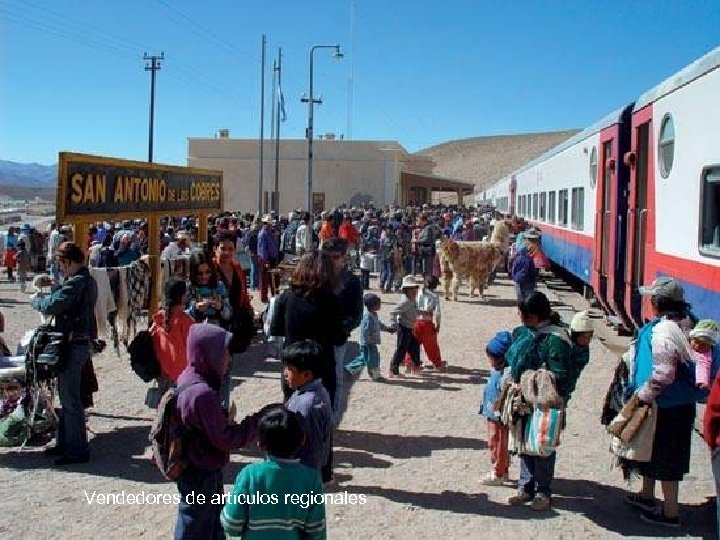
(415, 447)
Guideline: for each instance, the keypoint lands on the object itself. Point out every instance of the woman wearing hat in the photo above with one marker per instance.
(73, 307)
(662, 361)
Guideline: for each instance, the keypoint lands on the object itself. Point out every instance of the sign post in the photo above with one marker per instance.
(93, 188)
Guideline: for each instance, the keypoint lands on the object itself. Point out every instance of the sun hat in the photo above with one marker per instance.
(665, 287)
(581, 322)
(707, 331)
(408, 282)
(267, 218)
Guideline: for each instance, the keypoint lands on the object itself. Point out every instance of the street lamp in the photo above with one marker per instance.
(311, 100)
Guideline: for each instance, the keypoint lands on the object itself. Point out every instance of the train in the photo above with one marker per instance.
(633, 197)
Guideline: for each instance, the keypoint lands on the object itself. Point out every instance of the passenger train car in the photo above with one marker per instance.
(634, 197)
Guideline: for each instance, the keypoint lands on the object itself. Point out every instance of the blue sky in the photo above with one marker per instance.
(424, 71)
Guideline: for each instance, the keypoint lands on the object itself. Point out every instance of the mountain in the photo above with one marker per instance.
(482, 160)
(27, 174)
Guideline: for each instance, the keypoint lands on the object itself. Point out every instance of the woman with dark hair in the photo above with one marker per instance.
(72, 305)
(208, 298)
(309, 309)
(242, 321)
(541, 341)
(664, 373)
(169, 332)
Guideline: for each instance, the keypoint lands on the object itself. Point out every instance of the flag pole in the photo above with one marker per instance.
(280, 112)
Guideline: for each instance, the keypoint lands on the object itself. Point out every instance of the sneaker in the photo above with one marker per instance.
(491, 479)
(541, 503)
(646, 505)
(519, 499)
(659, 518)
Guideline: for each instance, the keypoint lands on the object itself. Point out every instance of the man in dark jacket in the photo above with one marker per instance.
(73, 306)
(350, 295)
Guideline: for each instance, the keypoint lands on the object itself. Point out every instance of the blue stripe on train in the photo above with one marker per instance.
(704, 302)
(574, 258)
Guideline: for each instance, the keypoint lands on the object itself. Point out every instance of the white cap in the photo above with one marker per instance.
(408, 282)
(581, 322)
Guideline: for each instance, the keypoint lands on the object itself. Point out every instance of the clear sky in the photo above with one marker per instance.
(424, 71)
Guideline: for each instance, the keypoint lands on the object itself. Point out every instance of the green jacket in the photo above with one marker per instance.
(276, 499)
(73, 306)
(533, 349)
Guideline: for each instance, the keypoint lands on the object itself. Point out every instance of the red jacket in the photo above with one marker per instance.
(348, 233)
(171, 347)
(711, 422)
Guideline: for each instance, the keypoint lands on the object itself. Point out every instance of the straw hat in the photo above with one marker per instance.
(408, 282)
(581, 322)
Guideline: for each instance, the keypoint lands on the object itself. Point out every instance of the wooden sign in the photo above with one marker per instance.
(93, 187)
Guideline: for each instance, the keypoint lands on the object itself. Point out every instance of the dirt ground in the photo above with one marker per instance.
(416, 448)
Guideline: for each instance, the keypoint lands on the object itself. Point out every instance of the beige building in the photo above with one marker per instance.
(351, 172)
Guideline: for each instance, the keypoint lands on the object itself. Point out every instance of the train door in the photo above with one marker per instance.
(638, 215)
(602, 175)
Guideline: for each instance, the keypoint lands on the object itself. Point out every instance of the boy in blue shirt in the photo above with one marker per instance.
(370, 328)
(310, 399)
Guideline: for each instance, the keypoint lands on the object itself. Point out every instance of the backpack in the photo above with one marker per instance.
(143, 360)
(167, 434)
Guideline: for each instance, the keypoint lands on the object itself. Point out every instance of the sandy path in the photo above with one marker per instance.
(415, 448)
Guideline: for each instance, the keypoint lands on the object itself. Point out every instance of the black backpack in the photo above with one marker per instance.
(143, 360)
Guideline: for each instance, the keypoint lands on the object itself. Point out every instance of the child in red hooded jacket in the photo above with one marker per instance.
(711, 432)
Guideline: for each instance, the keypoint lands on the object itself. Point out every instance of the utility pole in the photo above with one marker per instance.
(152, 68)
(262, 128)
(280, 112)
(272, 125)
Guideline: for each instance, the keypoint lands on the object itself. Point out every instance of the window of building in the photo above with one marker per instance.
(521, 205)
(543, 206)
(710, 213)
(563, 207)
(551, 207)
(593, 166)
(535, 206)
(666, 145)
(578, 209)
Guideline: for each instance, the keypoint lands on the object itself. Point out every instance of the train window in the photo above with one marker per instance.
(710, 213)
(535, 206)
(563, 207)
(551, 207)
(593, 166)
(543, 206)
(578, 209)
(666, 145)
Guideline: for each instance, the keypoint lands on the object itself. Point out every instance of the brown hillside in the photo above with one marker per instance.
(482, 160)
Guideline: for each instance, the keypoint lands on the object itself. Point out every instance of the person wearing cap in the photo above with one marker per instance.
(304, 236)
(664, 374)
(327, 230)
(73, 307)
(581, 334)
(181, 246)
(703, 338)
(403, 315)
(498, 434)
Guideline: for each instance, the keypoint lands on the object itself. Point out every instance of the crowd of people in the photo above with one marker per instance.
(207, 319)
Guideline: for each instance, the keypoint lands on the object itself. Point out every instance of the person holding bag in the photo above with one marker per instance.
(663, 373)
(539, 343)
(72, 305)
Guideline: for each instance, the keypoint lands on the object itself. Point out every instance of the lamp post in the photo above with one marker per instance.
(309, 132)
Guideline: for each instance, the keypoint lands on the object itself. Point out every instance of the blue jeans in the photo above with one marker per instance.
(716, 473)
(254, 271)
(536, 474)
(386, 274)
(339, 400)
(365, 278)
(427, 263)
(369, 357)
(72, 434)
(199, 521)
